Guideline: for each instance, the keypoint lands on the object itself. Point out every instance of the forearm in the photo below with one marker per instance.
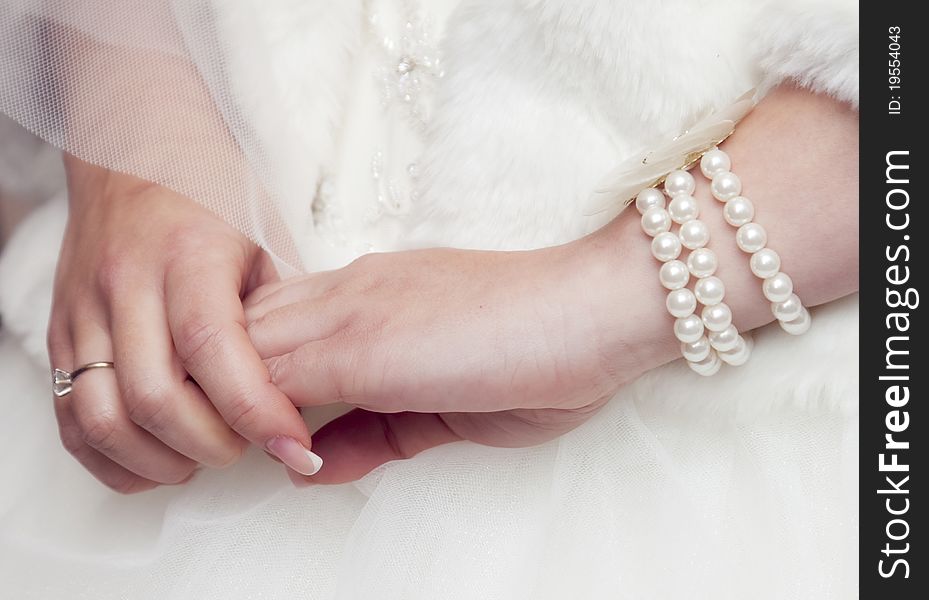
(797, 157)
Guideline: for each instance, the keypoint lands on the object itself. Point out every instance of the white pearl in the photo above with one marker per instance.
(751, 237)
(725, 339)
(681, 302)
(740, 354)
(666, 246)
(683, 208)
(648, 198)
(679, 182)
(788, 310)
(714, 161)
(656, 220)
(710, 290)
(694, 234)
(708, 366)
(798, 326)
(778, 287)
(739, 211)
(688, 329)
(726, 186)
(674, 275)
(696, 351)
(702, 262)
(717, 317)
(765, 263)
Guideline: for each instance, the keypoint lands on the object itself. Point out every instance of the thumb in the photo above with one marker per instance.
(360, 440)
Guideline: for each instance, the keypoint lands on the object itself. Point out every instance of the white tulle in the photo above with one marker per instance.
(143, 87)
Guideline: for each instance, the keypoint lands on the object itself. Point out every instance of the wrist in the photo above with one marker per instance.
(626, 300)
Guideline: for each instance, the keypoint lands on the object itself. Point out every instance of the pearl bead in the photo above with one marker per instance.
(725, 339)
(708, 366)
(683, 208)
(765, 263)
(648, 198)
(674, 275)
(710, 290)
(679, 182)
(696, 351)
(694, 234)
(788, 310)
(702, 262)
(751, 237)
(688, 329)
(740, 354)
(726, 186)
(666, 246)
(714, 161)
(799, 325)
(777, 288)
(739, 211)
(717, 317)
(681, 303)
(656, 220)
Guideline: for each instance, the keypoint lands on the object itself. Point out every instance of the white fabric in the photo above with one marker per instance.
(740, 485)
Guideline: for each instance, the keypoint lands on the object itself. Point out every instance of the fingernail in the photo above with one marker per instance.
(295, 455)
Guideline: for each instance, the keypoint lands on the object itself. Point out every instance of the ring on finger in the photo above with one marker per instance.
(62, 381)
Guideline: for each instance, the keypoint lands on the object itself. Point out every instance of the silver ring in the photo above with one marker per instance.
(62, 381)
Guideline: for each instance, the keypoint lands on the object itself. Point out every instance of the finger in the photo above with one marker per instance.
(106, 471)
(287, 328)
(313, 374)
(360, 441)
(288, 291)
(207, 323)
(155, 389)
(102, 468)
(104, 421)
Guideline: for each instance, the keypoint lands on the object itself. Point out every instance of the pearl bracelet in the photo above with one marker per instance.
(704, 351)
(752, 238)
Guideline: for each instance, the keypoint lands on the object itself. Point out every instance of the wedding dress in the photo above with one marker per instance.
(477, 124)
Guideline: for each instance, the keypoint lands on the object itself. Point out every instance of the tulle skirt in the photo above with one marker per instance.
(677, 488)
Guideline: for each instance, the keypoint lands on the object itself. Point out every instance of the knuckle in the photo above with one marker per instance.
(99, 431)
(146, 403)
(197, 338)
(277, 368)
(242, 414)
(112, 271)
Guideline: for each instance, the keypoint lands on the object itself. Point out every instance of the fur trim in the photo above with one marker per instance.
(815, 46)
(291, 66)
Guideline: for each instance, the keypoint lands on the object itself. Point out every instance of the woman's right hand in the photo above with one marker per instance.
(152, 281)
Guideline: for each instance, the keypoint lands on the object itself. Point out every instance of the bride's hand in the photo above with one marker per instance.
(513, 348)
(152, 281)
(432, 346)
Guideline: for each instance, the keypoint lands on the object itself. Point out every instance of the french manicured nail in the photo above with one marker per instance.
(295, 455)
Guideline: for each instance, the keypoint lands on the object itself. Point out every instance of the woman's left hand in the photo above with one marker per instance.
(434, 346)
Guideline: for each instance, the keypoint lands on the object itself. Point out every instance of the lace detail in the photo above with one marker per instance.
(402, 40)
